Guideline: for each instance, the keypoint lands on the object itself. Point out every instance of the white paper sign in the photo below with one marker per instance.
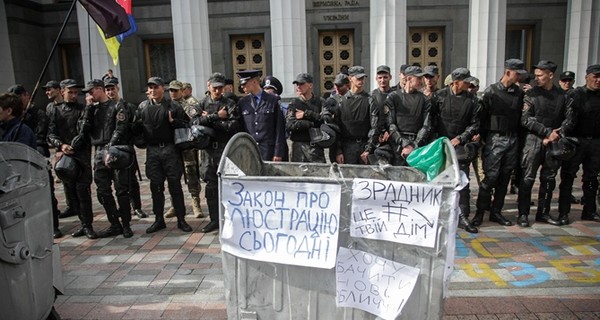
(373, 284)
(282, 222)
(395, 211)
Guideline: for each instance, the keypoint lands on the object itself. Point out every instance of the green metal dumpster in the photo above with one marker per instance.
(29, 262)
(328, 241)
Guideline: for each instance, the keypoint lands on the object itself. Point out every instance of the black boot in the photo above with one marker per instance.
(127, 232)
(500, 219)
(463, 223)
(112, 231)
(546, 218)
(477, 219)
(523, 220)
(590, 216)
(563, 218)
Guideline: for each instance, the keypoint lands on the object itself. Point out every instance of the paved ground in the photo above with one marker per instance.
(543, 272)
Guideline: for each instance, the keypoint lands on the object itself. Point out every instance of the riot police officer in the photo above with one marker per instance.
(261, 117)
(354, 119)
(408, 113)
(456, 116)
(502, 103)
(157, 119)
(107, 123)
(587, 106)
(545, 114)
(304, 112)
(64, 134)
(111, 87)
(191, 160)
(221, 114)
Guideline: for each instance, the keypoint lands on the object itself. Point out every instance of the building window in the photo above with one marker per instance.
(336, 54)
(160, 59)
(72, 66)
(425, 47)
(519, 43)
(247, 52)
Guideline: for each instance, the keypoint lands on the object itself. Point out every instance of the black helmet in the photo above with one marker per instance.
(564, 148)
(323, 136)
(119, 157)
(202, 136)
(67, 168)
(466, 153)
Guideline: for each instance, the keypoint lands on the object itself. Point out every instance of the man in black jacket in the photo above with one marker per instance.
(456, 116)
(221, 114)
(502, 104)
(587, 106)
(157, 119)
(546, 113)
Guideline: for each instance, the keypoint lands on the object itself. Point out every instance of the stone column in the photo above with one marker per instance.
(387, 32)
(94, 55)
(191, 37)
(7, 72)
(487, 40)
(582, 37)
(288, 36)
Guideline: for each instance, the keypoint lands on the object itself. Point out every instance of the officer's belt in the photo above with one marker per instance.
(161, 144)
(357, 140)
(590, 137)
(504, 134)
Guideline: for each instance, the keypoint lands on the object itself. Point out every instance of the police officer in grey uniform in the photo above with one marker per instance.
(64, 134)
(456, 116)
(157, 118)
(304, 112)
(107, 123)
(261, 117)
(408, 113)
(587, 108)
(354, 117)
(221, 114)
(502, 103)
(546, 113)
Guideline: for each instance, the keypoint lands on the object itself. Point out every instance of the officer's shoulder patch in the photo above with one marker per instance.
(386, 109)
(192, 112)
(121, 116)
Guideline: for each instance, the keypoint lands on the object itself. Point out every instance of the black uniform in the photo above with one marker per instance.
(302, 149)
(37, 119)
(266, 123)
(64, 128)
(134, 186)
(331, 106)
(354, 117)
(163, 159)
(224, 130)
(457, 116)
(544, 111)
(409, 122)
(587, 130)
(500, 121)
(108, 124)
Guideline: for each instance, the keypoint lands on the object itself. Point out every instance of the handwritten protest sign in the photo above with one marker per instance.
(395, 211)
(373, 284)
(282, 222)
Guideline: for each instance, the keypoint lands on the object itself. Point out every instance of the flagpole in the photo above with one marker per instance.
(62, 29)
(89, 46)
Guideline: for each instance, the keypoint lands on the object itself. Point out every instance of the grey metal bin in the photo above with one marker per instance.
(27, 252)
(270, 290)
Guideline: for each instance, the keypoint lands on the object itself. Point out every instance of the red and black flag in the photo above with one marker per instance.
(109, 16)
